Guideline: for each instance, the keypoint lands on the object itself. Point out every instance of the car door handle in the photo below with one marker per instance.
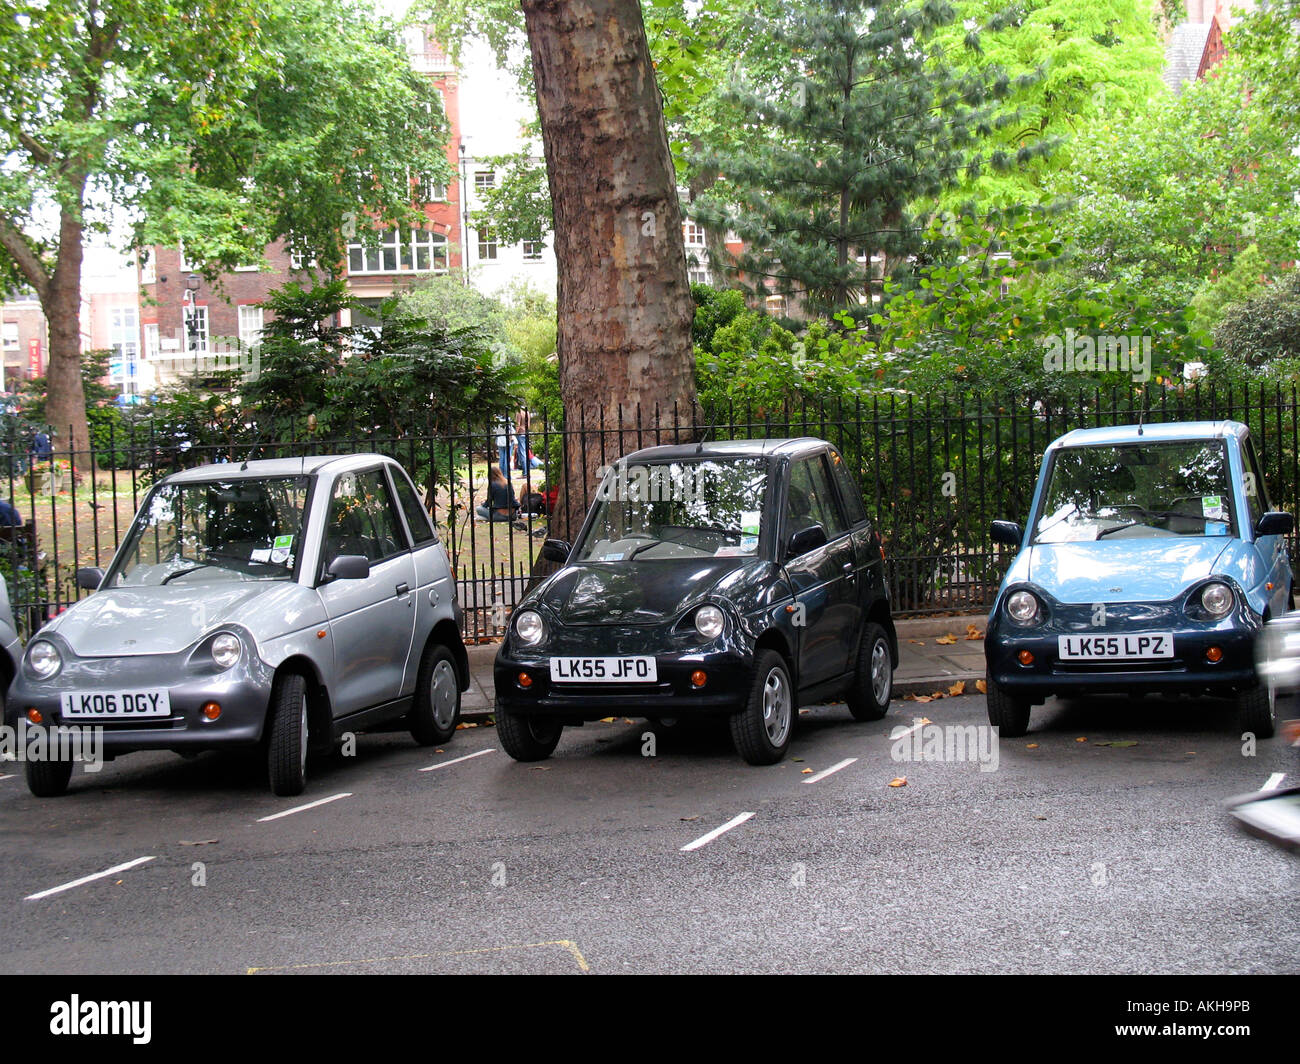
(848, 567)
(403, 588)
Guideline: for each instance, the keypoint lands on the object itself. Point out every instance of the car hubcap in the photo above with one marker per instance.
(880, 670)
(443, 694)
(302, 736)
(776, 707)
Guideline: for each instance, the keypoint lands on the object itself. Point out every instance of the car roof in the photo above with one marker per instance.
(728, 449)
(309, 465)
(1161, 432)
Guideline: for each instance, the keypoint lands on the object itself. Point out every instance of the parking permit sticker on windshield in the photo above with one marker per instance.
(1216, 528)
(749, 520)
(1212, 507)
(280, 549)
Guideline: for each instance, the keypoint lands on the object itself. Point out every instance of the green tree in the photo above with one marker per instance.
(226, 125)
(1262, 334)
(878, 120)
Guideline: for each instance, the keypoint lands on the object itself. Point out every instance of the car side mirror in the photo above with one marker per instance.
(806, 539)
(555, 550)
(1008, 532)
(90, 578)
(349, 567)
(1275, 523)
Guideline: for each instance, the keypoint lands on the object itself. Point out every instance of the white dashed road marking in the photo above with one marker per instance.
(456, 760)
(301, 808)
(88, 879)
(828, 771)
(704, 840)
(1274, 781)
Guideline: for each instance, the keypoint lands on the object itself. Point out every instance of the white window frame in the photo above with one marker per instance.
(533, 250)
(487, 245)
(251, 337)
(484, 180)
(400, 251)
(200, 311)
(148, 268)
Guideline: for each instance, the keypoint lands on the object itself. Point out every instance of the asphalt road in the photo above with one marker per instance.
(1069, 857)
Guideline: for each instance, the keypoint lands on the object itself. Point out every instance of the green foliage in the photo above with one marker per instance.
(877, 121)
(518, 206)
(714, 308)
(1261, 336)
(1249, 272)
(1268, 48)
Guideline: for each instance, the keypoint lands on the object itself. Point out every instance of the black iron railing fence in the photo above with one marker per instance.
(934, 472)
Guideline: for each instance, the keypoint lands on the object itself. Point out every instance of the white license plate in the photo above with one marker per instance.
(1135, 646)
(115, 705)
(604, 670)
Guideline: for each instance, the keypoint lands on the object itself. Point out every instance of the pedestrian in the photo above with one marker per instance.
(42, 449)
(524, 459)
(505, 441)
(9, 514)
(500, 503)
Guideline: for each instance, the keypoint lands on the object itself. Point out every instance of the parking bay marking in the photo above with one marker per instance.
(8, 777)
(87, 879)
(302, 808)
(829, 771)
(1274, 781)
(455, 760)
(704, 840)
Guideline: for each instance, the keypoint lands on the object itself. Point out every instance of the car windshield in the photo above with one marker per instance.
(1137, 491)
(215, 531)
(685, 509)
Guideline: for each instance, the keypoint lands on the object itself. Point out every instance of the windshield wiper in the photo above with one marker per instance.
(182, 572)
(643, 546)
(1114, 528)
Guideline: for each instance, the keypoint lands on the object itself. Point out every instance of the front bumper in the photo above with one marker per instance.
(729, 669)
(242, 691)
(1188, 672)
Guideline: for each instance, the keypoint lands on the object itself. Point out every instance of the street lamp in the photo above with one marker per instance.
(464, 218)
(191, 311)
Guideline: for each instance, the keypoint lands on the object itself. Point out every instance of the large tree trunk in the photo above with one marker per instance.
(624, 304)
(65, 404)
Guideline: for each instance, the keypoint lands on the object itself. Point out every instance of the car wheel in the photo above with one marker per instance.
(437, 698)
(47, 779)
(1009, 715)
(869, 698)
(761, 731)
(1257, 710)
(286, 742)
(528, 738)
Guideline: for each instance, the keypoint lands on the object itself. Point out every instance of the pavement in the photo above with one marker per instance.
(925, 665)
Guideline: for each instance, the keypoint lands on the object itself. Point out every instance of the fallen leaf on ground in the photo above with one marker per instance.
(628, 720)
(922, 698)
(463, 725)
(1125, 742)
(806, 772)
(982, 686)
(804, 712)
(900, 781)
(972, 632)
(1040, 818)
(198, 842)
(1081, 739)
(541, 768)
(947, 640)
(918, 642)
(926, 720)
(937, 694)
(959, 688)
(607, 720)
(690, 818)
(440, 751)
(1031, 746)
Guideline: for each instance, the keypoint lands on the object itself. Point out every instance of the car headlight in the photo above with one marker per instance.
(1216, 599)
(226, 649)
(44, 658)
(1022, 607)
(709, 621)
(530, 627)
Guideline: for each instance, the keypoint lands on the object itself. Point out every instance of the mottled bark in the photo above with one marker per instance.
(65, 406)
(624, 303)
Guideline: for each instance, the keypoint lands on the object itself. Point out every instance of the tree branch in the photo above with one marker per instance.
(15, 242)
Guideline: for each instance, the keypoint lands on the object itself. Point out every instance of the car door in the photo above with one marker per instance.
(371, 621)
(1272, 549)
(824, 580)
(434, 591)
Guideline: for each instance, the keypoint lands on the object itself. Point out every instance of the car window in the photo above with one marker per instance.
(1254, 489)
(362, 518)
(811, 500)
(849, 494)
(417, 518)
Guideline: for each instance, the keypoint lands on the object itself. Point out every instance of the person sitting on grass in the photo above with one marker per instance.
(500, 504)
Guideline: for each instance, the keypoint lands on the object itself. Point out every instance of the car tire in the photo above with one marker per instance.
(528, 738)
(1257, 710)
(874, 680)
(287, 736)
(761, 731)
(47, 779)
(1008, 714)
(437, 698)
